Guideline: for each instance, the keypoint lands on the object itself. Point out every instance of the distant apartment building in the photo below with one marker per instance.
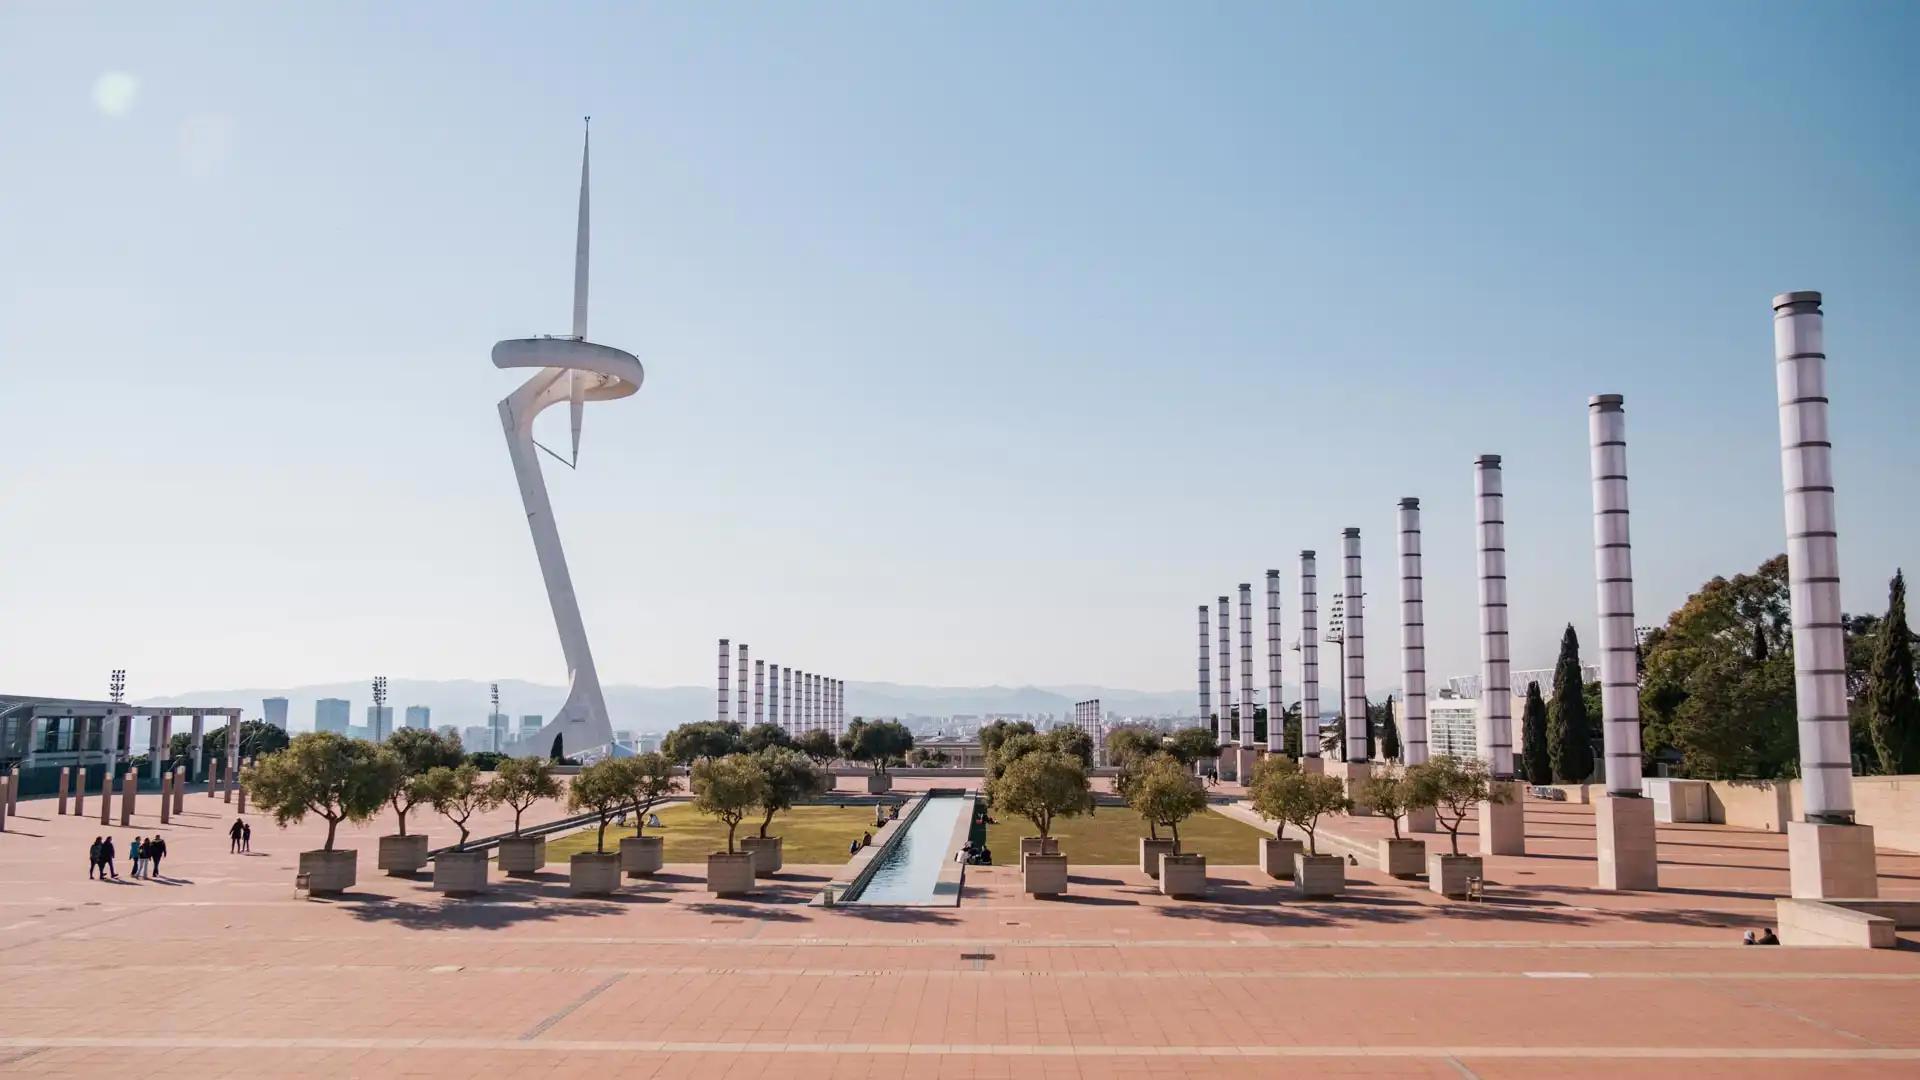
(448, 731)
(380, 722)
(477, 738)
(530, 724)
(1453, 725)
(274, 709)
(419, 716)
(499, 733)
(332, 714)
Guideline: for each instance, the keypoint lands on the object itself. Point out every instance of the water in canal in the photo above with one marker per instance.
(909, 873)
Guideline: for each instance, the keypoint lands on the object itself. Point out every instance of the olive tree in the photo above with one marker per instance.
(601, 789)
(1041, 786)
(457, 793)
(522, 781)
(1390, 793)
(416, 752)
(1263, 788)
(877, 743)
(1301, 800)
(702, 741)
(728, 788)
(1166, 792)
(321, 773)
(1455, 786)
(791, 777)
(649, 779)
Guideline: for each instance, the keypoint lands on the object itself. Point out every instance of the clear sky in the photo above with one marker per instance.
(983, 341)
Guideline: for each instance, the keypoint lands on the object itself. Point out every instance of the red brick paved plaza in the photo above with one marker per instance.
(220, 971)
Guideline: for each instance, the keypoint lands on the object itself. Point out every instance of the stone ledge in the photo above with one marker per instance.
(1833, 923)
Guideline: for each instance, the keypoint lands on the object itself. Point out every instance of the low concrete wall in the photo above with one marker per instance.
(1750, 804)
(1891, 804)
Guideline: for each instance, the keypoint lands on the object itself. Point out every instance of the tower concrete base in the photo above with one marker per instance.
(1312, 766)
(1503, 825)
(1623, 827)
(1244, 758)
(1358, 773)
(1419, 821)
(1827, 862)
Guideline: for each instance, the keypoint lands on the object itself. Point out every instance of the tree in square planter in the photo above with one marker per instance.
(600, 789)
(520, 782)
(792, 777)
(413, 752)
(878, 744)
(457, 794)
(1165, 793)
(1128, 750)
(728, 789)
(649, 779)
(332, 777)
(1266, 792)
(1042, 786)
(1390, 794)
(1301, 800)
(1454, 787)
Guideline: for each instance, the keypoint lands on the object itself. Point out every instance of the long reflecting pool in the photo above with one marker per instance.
(910, 872)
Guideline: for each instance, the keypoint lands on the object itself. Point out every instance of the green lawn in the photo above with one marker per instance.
(814, 834)
(1111, 837)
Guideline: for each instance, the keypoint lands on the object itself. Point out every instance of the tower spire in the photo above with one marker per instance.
(576, 382)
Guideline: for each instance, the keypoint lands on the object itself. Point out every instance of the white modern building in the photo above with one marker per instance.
(1452, 725)
(379, 722)
(274, 709)
(477, 738)
(332, 714)
(419, 716)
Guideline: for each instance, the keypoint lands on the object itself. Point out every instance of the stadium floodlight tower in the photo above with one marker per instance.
(573, 370)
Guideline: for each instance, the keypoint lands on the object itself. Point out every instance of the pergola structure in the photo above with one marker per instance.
(44, 732)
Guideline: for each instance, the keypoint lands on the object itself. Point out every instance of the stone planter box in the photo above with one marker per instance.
(730, 875)
(879, 784)
(593, 874)
(766, 852)
(1319, 877)
(1150, 852)
(1403, 858)
(642, 855)
(402, 854)
(330, 873)
(523, 857)
(1043, 873)
(1183, 876)
(1034, 845)
(460, 873)
(1276, 857)
(1448, 874)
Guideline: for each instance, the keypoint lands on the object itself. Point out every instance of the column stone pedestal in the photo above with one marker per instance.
(1623, 828)
(1358, 773)
(1419, 821)
(1313, 766)
(1831, 862)
(1243, 761)
(1503, 826)
(66, 782)
(106, 796)
(128, 785)
(166, 798)
(179, 790)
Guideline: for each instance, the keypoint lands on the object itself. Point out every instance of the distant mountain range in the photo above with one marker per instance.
(650, 709)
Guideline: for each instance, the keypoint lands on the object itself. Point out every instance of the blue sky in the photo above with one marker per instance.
(982, 343)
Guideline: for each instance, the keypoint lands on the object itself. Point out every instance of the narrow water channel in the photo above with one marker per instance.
(909, 872)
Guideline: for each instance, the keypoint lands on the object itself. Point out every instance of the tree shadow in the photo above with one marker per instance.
(471, 913)
(1087, 880)
(1729, 894)
(1273, 916)
(878, 913)
(743, 909)
(1695, 917)
(1086, 900)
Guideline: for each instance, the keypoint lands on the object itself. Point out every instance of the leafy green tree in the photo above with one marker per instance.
(522, 781)
(1290, 731)
(601, 789)
(1373, 731)
(1569, 730)
(1389, 732)
(728, 788)
(414, 753)
(992, 735)
(1166, 793)
(1074, 742)
(650, 778)
(1454, 787)
(1128, 747)
(1260, 726)
(760, 736)
(1265, 792)
(1893, 708)
(1192, 745)
(458, 794)
(324, 774)
(1301, 800)
(876, 743)
(485, 761)
(818, 745)
(1536, 764)
(1043, 785)
(925, 758)
(1389, 793)
(702, 741)
(792, 777)
(257, 739)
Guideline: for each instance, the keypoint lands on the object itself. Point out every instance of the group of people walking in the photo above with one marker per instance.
(145, 851)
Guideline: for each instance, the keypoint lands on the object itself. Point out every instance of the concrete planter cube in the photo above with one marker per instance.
(330, 873)
(1043, 873)
(642, 855)
(523, 857)
(766, 852)
(593, 874)
(1150, 852)
(1276, 857)
(1036, 845)
(1183, 876)
(1319, 877)
(730, 874)
(402, 854)
(1403, 858)
(460, 873)
(1448, 874)
(879, 784)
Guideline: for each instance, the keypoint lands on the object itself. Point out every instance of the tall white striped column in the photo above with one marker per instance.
(1225, 629)
(725, 656)
(787, 719)
(813, 701)
(773, 696)
(1309, 658)
(1206, 688)
(1276, 700)
(1813, 558)
(800, 701)
(1413, 637)
(1613, 576)
(1243, 731)
(1496, 677)
(759, 691)
(741, 712)
(1354, 632)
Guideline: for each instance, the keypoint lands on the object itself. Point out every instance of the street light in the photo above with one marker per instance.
(117, 686)
(379, 706)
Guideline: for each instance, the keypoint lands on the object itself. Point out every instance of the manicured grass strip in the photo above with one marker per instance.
(813, 834)
(1111, 837)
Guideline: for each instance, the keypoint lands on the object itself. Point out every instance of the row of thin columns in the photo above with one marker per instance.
(798, 701)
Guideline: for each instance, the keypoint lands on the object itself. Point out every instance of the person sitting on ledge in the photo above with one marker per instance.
(1767, 938)
(866, 839)
(1749, 938)
(853, 848)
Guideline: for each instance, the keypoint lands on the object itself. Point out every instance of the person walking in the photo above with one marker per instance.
(106, 859)
(156, 850)
(93, 860)
(233, 836)
(246, 838)
(137, 853)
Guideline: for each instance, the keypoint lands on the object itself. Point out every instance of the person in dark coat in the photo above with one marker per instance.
(106, 859)
(93, 859)
(156, 850)
(233, 836)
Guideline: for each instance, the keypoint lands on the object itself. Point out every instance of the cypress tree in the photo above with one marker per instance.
(1389, 732)
(1373, 736)
(1893, 705)
(1569, 734)
(1534, 761)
